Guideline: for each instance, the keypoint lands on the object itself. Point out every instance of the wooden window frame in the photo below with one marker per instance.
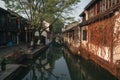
(84, 35)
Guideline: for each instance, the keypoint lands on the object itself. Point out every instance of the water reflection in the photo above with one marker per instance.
(50, 65)
(81, 69)
(59, 64)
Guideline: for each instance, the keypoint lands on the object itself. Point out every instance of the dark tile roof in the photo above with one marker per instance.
(87, 7)
(3, 10)
(90, 4)
(101, 15)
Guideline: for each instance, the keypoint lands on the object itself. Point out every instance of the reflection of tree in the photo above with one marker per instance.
(54, 54)
(74, 68)
(42, 67)
(34, 76)
(45, 63)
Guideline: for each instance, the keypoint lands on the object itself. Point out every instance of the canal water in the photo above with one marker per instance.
(57, 63)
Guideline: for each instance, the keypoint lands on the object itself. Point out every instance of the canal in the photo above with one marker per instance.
(57, 63)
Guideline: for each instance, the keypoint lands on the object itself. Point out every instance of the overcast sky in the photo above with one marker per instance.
(77, 10)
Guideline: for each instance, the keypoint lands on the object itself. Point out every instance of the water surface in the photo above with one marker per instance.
(57, 63)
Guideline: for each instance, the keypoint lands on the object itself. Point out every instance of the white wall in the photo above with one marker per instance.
(47, 41)
(116, 50)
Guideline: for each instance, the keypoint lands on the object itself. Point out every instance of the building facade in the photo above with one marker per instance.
(71, 34)
(12, 28)
(98, 35)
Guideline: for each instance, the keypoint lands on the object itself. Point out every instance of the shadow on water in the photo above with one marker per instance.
(50, 65)
(81, 69)
(56, 63)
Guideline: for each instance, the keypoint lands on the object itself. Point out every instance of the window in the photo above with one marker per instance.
(115, 1)
(73, 34)
(84, 34)
(104, 5)
(118, 1)
(98, 8)
(108, 4)
(91, 12)
(112, 2)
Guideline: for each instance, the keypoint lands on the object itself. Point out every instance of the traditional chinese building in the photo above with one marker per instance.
(46, 35)
(71, 34)
(12, 28)
(99, 34)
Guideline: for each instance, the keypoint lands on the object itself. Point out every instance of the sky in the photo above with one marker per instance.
(75, 13)
(79, 8)
(2, 5)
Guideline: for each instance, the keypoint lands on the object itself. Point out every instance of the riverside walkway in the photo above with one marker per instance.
(7, 50)
(13, 68)
(10, 70)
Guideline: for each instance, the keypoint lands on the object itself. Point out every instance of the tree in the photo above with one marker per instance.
(57, 26)
(37, 11)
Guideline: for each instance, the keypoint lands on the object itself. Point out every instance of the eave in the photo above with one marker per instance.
(101, 15)
(90, 4)
(70, 29)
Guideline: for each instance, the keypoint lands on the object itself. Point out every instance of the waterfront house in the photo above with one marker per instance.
(12, 28)
(71, 34)
(100, 34)
(100, 26)
(46, 35)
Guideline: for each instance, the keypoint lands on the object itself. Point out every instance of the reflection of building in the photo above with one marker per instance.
(98, 35)
(81, 69)
(11, 28)
(39, 69)
(77, 70)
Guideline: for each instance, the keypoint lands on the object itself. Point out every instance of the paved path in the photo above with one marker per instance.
(6, 50)
(10, 68)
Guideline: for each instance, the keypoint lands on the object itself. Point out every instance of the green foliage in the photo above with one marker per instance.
(57, 26)
(38, 11)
